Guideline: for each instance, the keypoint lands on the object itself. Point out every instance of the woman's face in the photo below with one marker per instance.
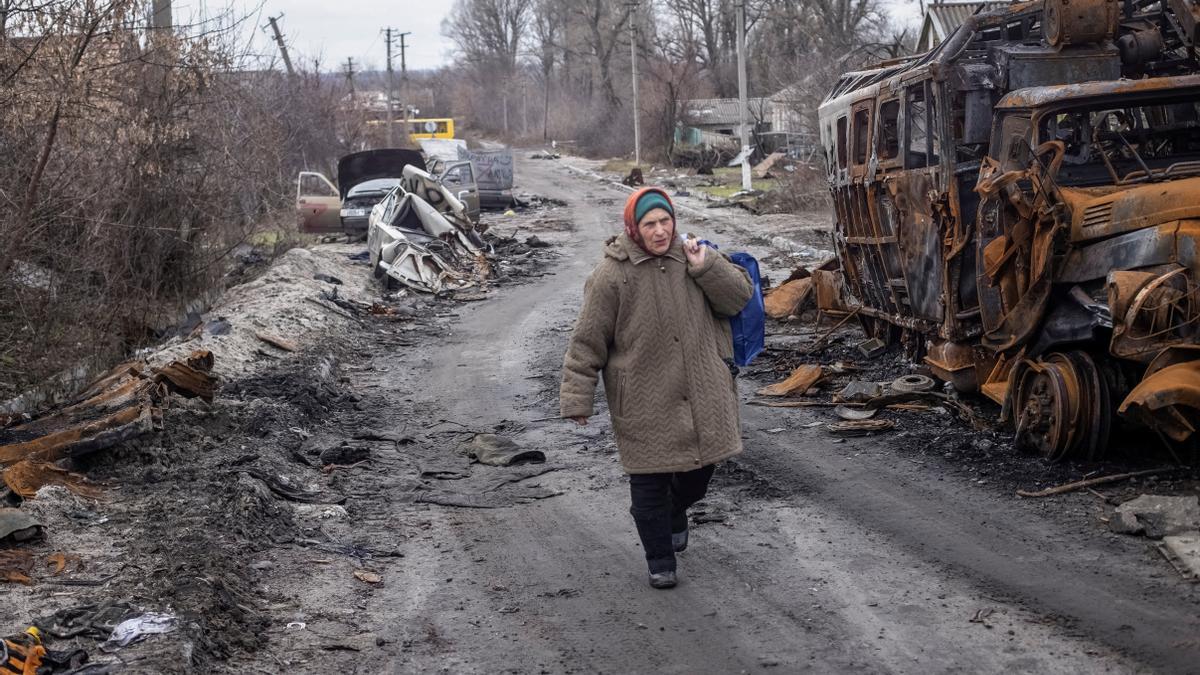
(657, 228)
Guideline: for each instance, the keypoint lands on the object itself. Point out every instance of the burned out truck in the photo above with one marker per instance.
(1020, 206)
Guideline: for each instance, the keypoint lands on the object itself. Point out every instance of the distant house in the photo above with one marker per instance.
(722, 115)
(943, 18)
(789, 107)
(791, 130)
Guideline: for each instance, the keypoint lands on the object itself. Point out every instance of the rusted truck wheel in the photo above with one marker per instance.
(1043, 413)
(1063, 407)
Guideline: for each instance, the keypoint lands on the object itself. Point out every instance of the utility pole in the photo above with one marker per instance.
(637, 126)
(743, 104)
(390, 86)
(350, 74)
(404, 87)
(287, 60)
(546, 108)
(524, 110)
(160, 15)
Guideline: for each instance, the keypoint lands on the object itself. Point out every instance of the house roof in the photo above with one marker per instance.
(941, 18)
(705, 111)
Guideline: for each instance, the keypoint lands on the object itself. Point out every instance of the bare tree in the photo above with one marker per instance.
(130, 166)
(604, 24)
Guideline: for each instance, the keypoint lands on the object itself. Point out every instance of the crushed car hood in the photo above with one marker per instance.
(371, 164)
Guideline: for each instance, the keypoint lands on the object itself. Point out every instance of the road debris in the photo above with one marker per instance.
(792, 403)
(17, 526)
(981, 616)
(859, 391)
(1102, 480)
(860, 427)
(495, 450)
(344, 454)
(121, 405)
(1183, 552)
(912, 384)
(276, 341)
(801, 380)
(16, 566)
(789, 298)
(1156, 516)
(136, 629)
(285, 487)
(855, 414)
(368, 577)
(872, 347)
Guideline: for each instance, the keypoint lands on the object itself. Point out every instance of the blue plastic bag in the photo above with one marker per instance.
(749, 326)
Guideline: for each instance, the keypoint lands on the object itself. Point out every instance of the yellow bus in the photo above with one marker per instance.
(440, 127)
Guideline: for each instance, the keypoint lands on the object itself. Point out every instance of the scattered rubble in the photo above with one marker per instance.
(860, 427)
(788, 299)
(495, 450)
(121, 405)
(1183, 552)
(858, 391)
(1156, 516)
(801, 380)
(137, 628)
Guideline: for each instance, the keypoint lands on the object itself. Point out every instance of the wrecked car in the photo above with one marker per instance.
(459, 177)
(491, 170)
(363, 179)
(421, 236)
(1020, 207)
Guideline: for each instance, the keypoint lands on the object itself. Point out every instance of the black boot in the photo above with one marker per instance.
(663, 580)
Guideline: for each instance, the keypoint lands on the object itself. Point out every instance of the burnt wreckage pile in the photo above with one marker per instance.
(420, 237)
(1021, 207)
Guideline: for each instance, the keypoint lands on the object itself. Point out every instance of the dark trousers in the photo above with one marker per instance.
(660, 504)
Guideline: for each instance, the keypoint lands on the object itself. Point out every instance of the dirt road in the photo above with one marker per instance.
(811, 555)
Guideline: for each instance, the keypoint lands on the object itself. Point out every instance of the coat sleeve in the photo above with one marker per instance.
(726, 285)
(587, 351)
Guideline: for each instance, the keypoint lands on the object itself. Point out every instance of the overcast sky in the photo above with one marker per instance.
(336, 29)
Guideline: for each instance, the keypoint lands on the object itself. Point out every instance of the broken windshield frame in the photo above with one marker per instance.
(1120, 143)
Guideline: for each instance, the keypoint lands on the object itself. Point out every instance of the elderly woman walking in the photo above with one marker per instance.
(655, 322)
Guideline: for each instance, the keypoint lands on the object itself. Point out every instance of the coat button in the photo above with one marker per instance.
(695, 461)
(677, 338)
(685, 398)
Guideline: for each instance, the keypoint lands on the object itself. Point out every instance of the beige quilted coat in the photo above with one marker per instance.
(659, 331)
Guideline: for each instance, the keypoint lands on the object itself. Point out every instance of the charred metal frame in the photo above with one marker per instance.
(984, 257)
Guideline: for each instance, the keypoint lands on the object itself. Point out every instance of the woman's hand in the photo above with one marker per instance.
(581, 420)
(694, 250)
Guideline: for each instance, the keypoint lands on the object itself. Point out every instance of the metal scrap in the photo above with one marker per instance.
(15, 566)
(17, 526)
(800, 381)
(788, 299)
(122, 404)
